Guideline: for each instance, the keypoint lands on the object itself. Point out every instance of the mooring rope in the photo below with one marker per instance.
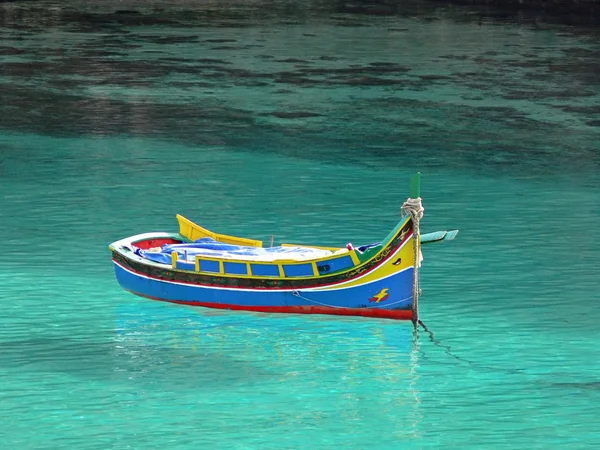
(299, 295)
(414, 208)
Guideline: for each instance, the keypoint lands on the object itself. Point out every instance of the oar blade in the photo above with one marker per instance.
(438, 236)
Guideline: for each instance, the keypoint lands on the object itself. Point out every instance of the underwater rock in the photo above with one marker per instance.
(434, 77)
(295, 115)
(174, 39)
(11, 51)
(581, 109)
(372, 81)
(127, 11)
(293, 60)
(219, 41)
(291, 78)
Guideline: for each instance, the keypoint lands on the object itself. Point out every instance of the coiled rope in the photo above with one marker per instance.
(414, 208)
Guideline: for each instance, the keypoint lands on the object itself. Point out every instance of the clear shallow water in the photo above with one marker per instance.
(306, 123)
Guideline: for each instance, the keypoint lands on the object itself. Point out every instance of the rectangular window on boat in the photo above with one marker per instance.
(298, 270)
(234, 268)
(209, 266)
(265, 270)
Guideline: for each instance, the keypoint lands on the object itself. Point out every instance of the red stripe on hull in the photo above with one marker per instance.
(397, 314)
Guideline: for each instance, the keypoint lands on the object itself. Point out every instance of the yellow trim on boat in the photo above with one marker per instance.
(296, 262)
(315, 270)
(174, 257)
(402, 260)
(194, 231)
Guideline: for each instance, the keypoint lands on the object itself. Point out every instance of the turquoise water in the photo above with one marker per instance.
(302, 122)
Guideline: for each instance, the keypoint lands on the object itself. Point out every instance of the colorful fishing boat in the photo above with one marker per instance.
(198, 267)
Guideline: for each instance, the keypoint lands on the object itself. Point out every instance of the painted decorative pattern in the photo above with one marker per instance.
(264, 283)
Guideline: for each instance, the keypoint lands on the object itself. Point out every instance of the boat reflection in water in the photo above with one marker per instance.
(297, 369)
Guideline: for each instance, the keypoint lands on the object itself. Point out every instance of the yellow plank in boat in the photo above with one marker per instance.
(194, 231)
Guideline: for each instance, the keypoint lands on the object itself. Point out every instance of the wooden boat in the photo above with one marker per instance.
(198, 267)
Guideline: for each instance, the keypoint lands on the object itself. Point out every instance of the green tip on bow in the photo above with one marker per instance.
(415, 185)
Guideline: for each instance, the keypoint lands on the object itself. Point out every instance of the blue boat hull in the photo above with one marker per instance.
(389, 297)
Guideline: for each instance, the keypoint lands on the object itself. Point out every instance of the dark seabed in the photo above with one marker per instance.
(304, 120)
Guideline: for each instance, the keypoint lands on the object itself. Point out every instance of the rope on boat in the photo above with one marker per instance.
(414, 208)
(299, 295)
